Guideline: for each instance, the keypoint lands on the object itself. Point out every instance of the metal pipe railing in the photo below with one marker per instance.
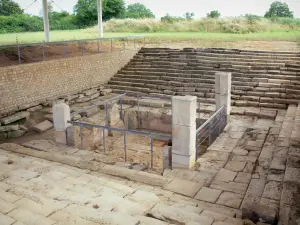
(124, 131)
(210, 118)
(207, 130)
(69, 41)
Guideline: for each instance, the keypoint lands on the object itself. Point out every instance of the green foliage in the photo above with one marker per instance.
(138, 11)
(291, 22)
(62, 21)
(252, 19)
(171, 19)
(279, 9)
(86, 11)
(189, 16)
(214, 14)
(9, 7)
(20, 23)
(235, 25)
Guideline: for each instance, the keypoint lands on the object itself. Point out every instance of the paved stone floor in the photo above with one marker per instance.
(38, 191)
(229, 172)
(251, 162)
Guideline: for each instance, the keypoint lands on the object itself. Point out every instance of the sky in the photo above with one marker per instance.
(179, 7)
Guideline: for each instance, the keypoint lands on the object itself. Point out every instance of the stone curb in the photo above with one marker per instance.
(143, 177)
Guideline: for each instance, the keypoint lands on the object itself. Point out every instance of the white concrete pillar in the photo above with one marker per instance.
(61, 116)
(223, 90)
(46, 21)
(183, 131)
(100, 23)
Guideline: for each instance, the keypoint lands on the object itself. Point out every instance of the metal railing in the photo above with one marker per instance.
(123, 131)
(106, 104)
(117, 99)
(211, 129)
(108, 45)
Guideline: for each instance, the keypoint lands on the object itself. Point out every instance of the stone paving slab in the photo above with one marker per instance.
(225, 175)
(208, 194)
(166, 213)
(6, 220)
(69, 195)
(230, 199)
(184, 187)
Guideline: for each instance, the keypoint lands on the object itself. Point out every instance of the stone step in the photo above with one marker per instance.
(200, 61)
(242, 52)
(258, 78)
(207, 85)
(233, 57)
(210, 70)
(223, 58)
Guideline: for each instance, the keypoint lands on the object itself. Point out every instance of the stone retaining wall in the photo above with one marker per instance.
(28, 85)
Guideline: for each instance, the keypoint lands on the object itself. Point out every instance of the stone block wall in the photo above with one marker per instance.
(27, 85)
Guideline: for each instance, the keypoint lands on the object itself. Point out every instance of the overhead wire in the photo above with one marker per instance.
(57, 5)
(30, 5)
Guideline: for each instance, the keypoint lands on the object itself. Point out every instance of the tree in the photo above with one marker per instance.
(137, 11)
(86, 11)
(8, 8)
(189, 16)
(279, 9)
(214, 14)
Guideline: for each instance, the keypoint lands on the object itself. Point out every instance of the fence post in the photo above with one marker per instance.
(98, 44)
(184, 131)
(19, 54)
(43, 51)
(125, 147)
(61, 116)
(65, 50)
(82, 48)
(111, 45)
(223, 91)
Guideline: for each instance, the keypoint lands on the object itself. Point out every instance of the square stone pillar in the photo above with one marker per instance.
(183, 131)
(61, 116)
(223, 90)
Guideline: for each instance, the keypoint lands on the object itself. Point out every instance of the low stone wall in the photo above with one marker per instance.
(24, 86)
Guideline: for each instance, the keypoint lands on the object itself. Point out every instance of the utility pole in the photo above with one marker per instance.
(46, 20)
(100, 24)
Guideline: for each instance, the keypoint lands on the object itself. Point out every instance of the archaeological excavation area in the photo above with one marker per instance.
(152, 136)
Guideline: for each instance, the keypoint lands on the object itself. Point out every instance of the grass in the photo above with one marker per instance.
(31, 37)
(234, 25)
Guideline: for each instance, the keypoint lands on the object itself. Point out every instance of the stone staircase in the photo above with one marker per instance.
(286, 167)
(264, 79)
(59, 187)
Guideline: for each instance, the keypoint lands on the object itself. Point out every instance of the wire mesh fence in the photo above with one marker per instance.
(36, 52)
